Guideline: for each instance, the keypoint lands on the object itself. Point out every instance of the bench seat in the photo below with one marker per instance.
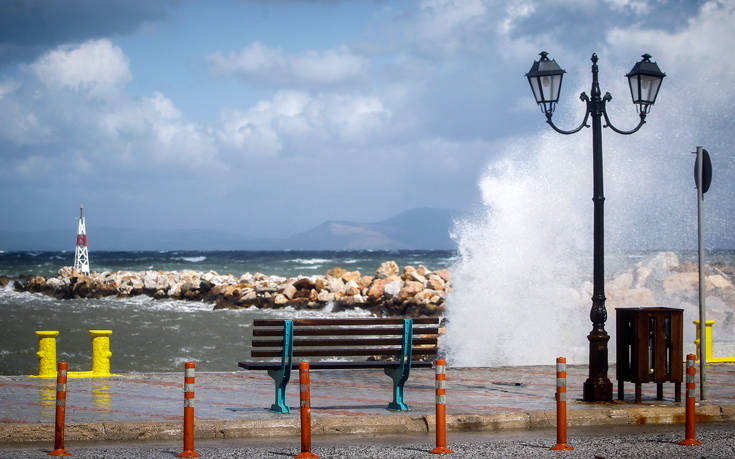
(394, 344)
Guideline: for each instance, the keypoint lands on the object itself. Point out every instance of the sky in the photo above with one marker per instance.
(266, 118)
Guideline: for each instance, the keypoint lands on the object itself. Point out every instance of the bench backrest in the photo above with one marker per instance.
(383, 337)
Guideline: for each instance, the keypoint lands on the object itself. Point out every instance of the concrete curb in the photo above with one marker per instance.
(360, 425)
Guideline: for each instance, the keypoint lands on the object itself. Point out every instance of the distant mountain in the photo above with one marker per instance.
(424, 228)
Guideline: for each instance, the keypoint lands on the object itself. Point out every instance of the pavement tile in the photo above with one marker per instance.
(522, 396)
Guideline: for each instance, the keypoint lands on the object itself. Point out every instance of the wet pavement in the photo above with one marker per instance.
(246, 395)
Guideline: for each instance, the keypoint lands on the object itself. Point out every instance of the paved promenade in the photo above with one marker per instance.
(233, 404)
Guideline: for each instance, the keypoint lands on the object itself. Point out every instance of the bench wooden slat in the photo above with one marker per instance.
(333, 365)
(342, 342)
(316, 352)
(345, 331)
(339, 322)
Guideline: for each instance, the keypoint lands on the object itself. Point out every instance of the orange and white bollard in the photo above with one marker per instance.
(441, 409)
(561, 405)
(189, 412)
(60, 411)
(305, 408)
(690, 414)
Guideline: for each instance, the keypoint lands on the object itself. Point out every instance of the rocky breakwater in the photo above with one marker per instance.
(389, 291)
(663, 280)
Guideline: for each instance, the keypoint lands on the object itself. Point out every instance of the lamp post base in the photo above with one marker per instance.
(597, 390)
(598, 387)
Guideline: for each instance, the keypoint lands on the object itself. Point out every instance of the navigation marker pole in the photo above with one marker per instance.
(81, 256)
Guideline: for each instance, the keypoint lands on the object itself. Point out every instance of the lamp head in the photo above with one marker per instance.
(645, 81)
(545, 79)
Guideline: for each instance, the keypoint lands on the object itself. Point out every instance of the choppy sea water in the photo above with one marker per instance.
(159, 335)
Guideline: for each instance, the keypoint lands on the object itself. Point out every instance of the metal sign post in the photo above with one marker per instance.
(703, 177)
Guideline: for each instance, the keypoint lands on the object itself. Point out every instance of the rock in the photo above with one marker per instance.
(280, 299)
(335, 284)
(718, 281)
(630, 297)
(375, 291)
(641, 276)
(386, 269)
(290, 291)
(679, 283)
(688, 266)
(4, 280)
(352, 288)
(415, 276)
(304, 283)
(425, 296)
(444, 274)
(407, 270)
(662, 264)
(365, 281)
(409, 290)
(435, 283)
(422, 270)
(623, 282)
(392, 289)
(246, 278)
(319, 285)
(351, 276)
(54, 283)
(325, 296)
(205, 286)
(336, 272)
(36, 284)
(65, 271)
(150, 280)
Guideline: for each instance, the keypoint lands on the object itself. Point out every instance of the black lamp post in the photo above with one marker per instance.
(645, 80)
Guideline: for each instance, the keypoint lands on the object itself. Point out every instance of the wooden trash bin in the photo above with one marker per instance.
(649, 348)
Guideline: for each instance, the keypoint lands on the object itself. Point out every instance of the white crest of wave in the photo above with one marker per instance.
(517, 280)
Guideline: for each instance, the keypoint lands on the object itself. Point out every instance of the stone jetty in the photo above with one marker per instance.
(411, 291)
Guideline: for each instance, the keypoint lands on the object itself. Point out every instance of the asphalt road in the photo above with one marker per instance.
(718, 440)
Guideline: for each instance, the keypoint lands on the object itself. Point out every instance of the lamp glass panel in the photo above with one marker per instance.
(555, 87)
(634, 92)
(536, 89)
(649, 88)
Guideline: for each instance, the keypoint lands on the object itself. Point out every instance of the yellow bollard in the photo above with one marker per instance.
(101, 352)
(46, 354)
(710, 357)
(100, 355)
(707, 339)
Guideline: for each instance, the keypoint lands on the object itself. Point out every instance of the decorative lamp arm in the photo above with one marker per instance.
(583, 97)
(608, 98)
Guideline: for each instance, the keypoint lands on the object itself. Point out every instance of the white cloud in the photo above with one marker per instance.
(298, 117)
(692, 56)
(96, 66)
(271, 66)
(446, 25)
(7, 87)
(154, 129)
(637, 6)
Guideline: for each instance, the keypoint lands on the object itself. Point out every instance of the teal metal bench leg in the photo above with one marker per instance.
(399, 374)
(283, 374)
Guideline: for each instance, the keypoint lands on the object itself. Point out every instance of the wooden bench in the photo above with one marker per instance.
(396, 345)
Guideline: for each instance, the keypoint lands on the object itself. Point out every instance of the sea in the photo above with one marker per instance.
(161, 335)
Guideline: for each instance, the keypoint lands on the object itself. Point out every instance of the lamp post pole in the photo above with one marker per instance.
(598, 387)
(545, 78)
